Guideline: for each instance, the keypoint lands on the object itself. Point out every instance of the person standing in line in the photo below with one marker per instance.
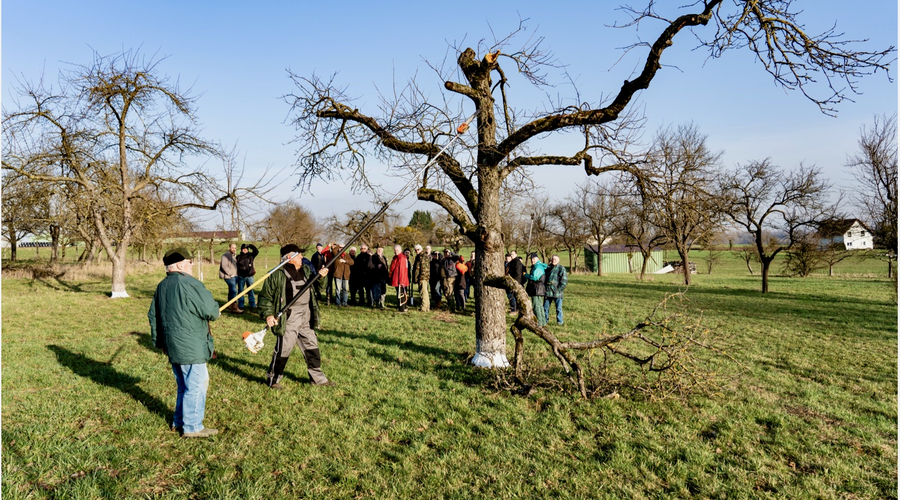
(434, 280)
(329, 284)
(179, 316)
(378, 276)
(341, 272)
(399, 272)
(557, 279)
(318, 261)
(298, 325)
(448, 278)
(359, 276)
(516, 270)
(246, 271)
(228, 272)
(459, 284)
(470, 275)
(409, 274)
(536, 287)
(354, 280)
(422, 275)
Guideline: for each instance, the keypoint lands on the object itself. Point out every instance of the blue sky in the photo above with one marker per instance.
(236, 54)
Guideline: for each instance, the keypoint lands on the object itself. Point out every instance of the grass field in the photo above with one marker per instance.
(809, 410)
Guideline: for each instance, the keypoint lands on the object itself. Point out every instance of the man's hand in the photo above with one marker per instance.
(323, 272)
(271, 321)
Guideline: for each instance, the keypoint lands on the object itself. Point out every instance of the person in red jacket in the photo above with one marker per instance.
(399, 272)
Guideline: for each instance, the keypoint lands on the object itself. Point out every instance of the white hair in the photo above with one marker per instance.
(418, 246)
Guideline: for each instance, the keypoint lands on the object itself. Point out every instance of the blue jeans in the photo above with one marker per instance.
(243, 282)
(190, 404)
(232, 287)
(512, 301)
(341, 291)
(377, 292)
(559, 314)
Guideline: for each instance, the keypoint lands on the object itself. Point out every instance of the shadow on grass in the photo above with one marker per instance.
(102, 373)
(457, 370)
(249, 371)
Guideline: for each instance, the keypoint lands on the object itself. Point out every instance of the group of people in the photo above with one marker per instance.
(182, 307)
(544, 284)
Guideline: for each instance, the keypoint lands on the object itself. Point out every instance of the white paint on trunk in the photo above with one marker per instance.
(490, 360)
(119, 295)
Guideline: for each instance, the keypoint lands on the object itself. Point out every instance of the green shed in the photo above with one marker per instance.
(622, 259)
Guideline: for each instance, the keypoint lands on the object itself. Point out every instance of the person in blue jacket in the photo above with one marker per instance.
(179, 325)
(536, 287)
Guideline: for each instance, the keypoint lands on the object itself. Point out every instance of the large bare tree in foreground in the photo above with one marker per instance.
(335, 137)
(122, 134)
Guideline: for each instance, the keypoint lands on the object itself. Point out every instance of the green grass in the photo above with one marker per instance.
(810, 411)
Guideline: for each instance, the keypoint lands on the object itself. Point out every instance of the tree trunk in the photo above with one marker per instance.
(685, 265)
(14, 243)
(765, 274)
(118, 272)
(599, 261)
(54, 243)
(646, 257)
(490, 303)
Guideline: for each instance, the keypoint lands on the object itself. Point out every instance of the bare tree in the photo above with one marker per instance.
(599, 205)
(634, 223)
(834, 253)
(570, 229)
(290, 223)
(21, 208)
(875, 168)
(122, 133)
(775, 207)
(542, 237)
(805, 255)
(336, 137)
(748, 254)
(682, 199)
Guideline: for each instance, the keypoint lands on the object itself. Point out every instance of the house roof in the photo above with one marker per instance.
(837, 227)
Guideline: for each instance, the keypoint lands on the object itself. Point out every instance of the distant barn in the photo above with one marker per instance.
(623, 259)
(851, 232)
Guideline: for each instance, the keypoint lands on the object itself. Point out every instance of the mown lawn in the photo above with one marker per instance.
(807, 409)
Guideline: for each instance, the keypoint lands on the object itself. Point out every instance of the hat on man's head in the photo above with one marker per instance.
(319, 245)
(244, 246)
(290, 247)
(533, 256)
(176, 255)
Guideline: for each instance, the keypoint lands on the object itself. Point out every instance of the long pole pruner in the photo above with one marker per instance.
(254, 341)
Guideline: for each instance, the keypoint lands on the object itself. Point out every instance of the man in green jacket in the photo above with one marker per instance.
(557, 279)
(179, 325)
(298, 324)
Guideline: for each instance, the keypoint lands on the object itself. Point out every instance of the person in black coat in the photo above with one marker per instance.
(358, 277)
(516, 270)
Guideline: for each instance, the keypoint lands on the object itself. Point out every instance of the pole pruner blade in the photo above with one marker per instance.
(462, 128)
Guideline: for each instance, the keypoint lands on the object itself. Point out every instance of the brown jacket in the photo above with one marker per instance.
(341, 267)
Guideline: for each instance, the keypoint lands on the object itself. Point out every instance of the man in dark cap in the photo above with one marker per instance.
(179, 325)
(245, 273)
(298, 324)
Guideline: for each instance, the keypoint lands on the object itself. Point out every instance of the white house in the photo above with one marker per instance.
(851, 232)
